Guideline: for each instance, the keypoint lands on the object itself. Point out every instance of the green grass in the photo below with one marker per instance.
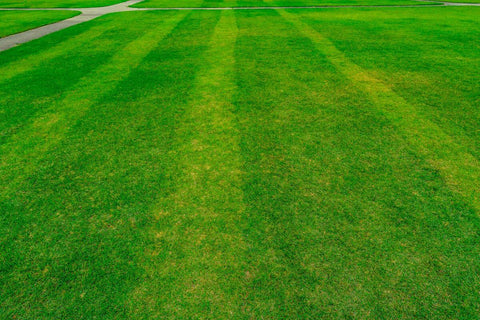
(56, 3)
(269, 3)
(199, 3)
(17, 21)
(243, 164)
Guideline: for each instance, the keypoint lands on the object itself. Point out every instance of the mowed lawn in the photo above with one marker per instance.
(203, 3)
(17, 21)
(271, 3)
(243, 165)
(56, 3)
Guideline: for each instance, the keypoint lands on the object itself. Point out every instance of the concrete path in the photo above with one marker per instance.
(451, 4)
(92, 13)
(86, 15)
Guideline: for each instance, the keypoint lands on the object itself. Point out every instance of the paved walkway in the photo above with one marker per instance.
(92, 13)
(86, 15)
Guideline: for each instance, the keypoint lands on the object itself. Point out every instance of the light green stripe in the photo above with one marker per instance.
(207, 205)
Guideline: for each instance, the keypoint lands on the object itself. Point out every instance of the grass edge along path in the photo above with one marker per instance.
(48, 130)
(464, 1)
(206, 205)
(16, 67)
(68, 4)
(459, 168)
(33, 20)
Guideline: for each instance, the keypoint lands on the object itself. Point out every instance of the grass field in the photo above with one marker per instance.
(17, 21)
(56, 3)
(199, 3)
(269, 3)
(243, 165)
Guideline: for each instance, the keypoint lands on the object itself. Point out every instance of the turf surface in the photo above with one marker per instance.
(199, 3)
(56, 3)
(247, 164)
(17, 21)
(269, 3)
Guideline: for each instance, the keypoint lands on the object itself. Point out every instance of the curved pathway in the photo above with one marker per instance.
(92, 13)
(86, 15)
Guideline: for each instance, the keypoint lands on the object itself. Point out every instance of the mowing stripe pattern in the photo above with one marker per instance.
(238, 164)
(52, 126)
(459, 168)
